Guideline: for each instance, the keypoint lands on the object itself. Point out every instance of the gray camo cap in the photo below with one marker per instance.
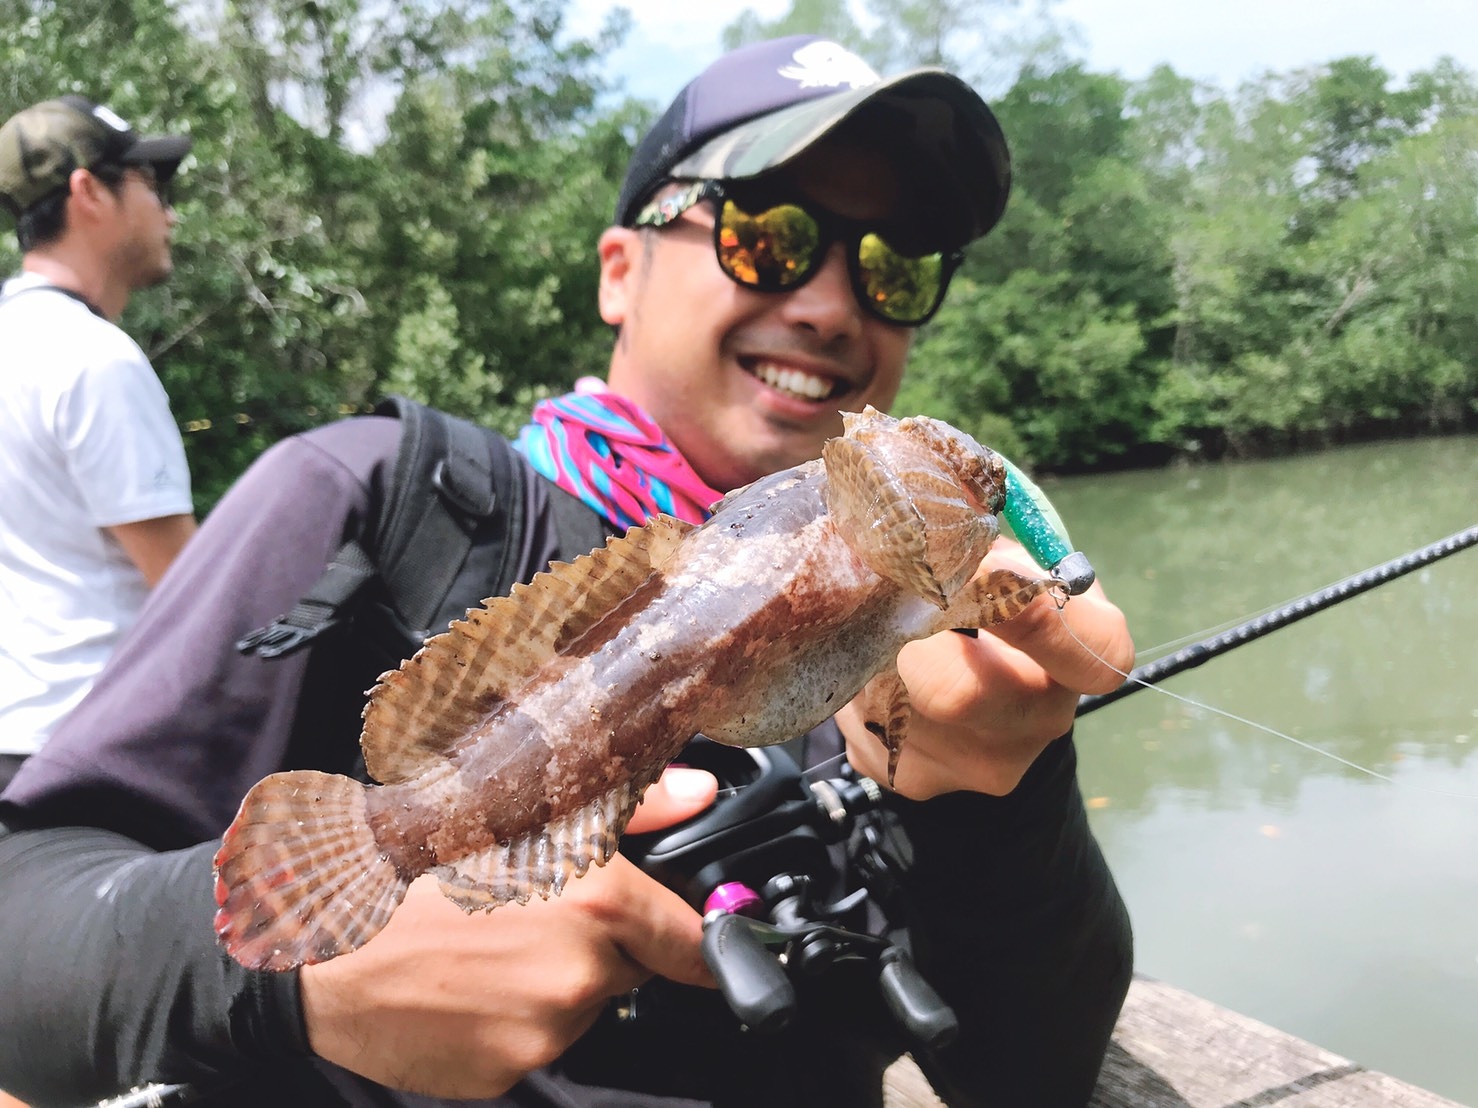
(758, 107)
(41, 146)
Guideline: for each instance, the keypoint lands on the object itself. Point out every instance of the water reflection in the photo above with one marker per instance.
(1375, 679)
(1270, 879)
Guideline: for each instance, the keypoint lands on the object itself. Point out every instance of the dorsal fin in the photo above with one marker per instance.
(420, 712)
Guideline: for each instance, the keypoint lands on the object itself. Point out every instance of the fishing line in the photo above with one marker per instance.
(823, 767)
(1129, 677)
(819, 770)
(1268, 620)
(1153, 652)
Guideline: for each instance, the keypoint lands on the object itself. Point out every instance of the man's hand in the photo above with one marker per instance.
(680, 793)
(455, 1005)
(984, 708)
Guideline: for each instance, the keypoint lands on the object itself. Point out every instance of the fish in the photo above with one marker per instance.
(509, 752)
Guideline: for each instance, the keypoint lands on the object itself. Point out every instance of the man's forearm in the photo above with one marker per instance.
(111, 974)
(152, 544)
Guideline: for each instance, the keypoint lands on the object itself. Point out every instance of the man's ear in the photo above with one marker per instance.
(619, 249)
(90, 197)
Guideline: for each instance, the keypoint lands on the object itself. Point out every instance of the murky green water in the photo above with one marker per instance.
(1335, 905)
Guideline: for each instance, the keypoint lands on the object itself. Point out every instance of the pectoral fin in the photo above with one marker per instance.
(994, 597)
(877, 516)
(900, 501)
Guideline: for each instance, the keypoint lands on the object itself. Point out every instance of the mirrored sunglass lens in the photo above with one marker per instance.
(771, 250)
(898, 287)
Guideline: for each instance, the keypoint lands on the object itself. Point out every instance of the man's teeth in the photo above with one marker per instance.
(794, 381)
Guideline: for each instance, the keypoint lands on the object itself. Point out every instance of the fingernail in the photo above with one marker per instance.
(684, 783)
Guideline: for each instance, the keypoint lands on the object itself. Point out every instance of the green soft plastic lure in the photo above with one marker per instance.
(1039, 528)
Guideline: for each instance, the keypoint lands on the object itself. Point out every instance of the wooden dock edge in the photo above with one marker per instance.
(1172, 1049)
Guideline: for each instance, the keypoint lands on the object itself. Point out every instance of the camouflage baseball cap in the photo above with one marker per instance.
(41, 146)
(758, 107)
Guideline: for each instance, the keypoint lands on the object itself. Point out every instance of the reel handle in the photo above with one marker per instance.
(914, 1003)
(753, 982)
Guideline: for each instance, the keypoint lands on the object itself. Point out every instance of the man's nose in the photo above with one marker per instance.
(826, 303)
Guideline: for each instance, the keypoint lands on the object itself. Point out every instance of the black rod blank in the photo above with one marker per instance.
(1191, 656)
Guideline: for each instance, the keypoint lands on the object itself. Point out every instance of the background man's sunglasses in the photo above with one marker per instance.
(150, 178)
(113, 175)
(782, 247)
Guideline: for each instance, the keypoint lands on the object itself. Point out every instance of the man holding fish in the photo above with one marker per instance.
(780, 233)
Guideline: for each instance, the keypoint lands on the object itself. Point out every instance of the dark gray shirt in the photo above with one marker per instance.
(111, 976)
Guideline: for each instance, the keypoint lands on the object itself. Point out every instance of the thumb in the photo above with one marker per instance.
(656, 929)
(679, 794)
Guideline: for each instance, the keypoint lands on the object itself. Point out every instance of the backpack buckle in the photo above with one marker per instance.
(284, 637)
(459, 495)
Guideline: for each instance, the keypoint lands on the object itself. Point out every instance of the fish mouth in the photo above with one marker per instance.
(794, 382)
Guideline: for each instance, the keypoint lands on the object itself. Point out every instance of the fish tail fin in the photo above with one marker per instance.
(299, 875)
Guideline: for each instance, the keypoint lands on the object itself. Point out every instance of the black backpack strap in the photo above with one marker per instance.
(450, 476)
(579, 528)
(451, 479)
(320, 609)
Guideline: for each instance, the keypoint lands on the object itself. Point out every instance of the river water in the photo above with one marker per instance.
(1339, 906)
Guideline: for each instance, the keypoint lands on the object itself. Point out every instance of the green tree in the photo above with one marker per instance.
(1354, 116)
(367, 180)
(406, 197)
(1065, 302)
(499, 177)
(829, 18)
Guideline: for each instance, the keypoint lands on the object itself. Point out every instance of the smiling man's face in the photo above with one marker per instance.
(746, 383)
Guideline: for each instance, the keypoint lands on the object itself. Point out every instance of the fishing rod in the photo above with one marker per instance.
(1191, 656)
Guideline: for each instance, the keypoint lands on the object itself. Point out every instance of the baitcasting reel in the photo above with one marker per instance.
(753, 864)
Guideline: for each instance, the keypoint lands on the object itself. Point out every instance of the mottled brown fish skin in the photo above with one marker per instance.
(513, 776)
(515, 746)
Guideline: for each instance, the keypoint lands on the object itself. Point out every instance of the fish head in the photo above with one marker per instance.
(916, 498)
(978, 470)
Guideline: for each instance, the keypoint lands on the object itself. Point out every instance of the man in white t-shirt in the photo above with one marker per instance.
(94, 488)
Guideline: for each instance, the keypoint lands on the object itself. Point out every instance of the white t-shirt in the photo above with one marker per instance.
(87, 441)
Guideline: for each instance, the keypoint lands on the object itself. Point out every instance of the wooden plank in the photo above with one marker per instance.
(1175, 1050)
(1172, 1049)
